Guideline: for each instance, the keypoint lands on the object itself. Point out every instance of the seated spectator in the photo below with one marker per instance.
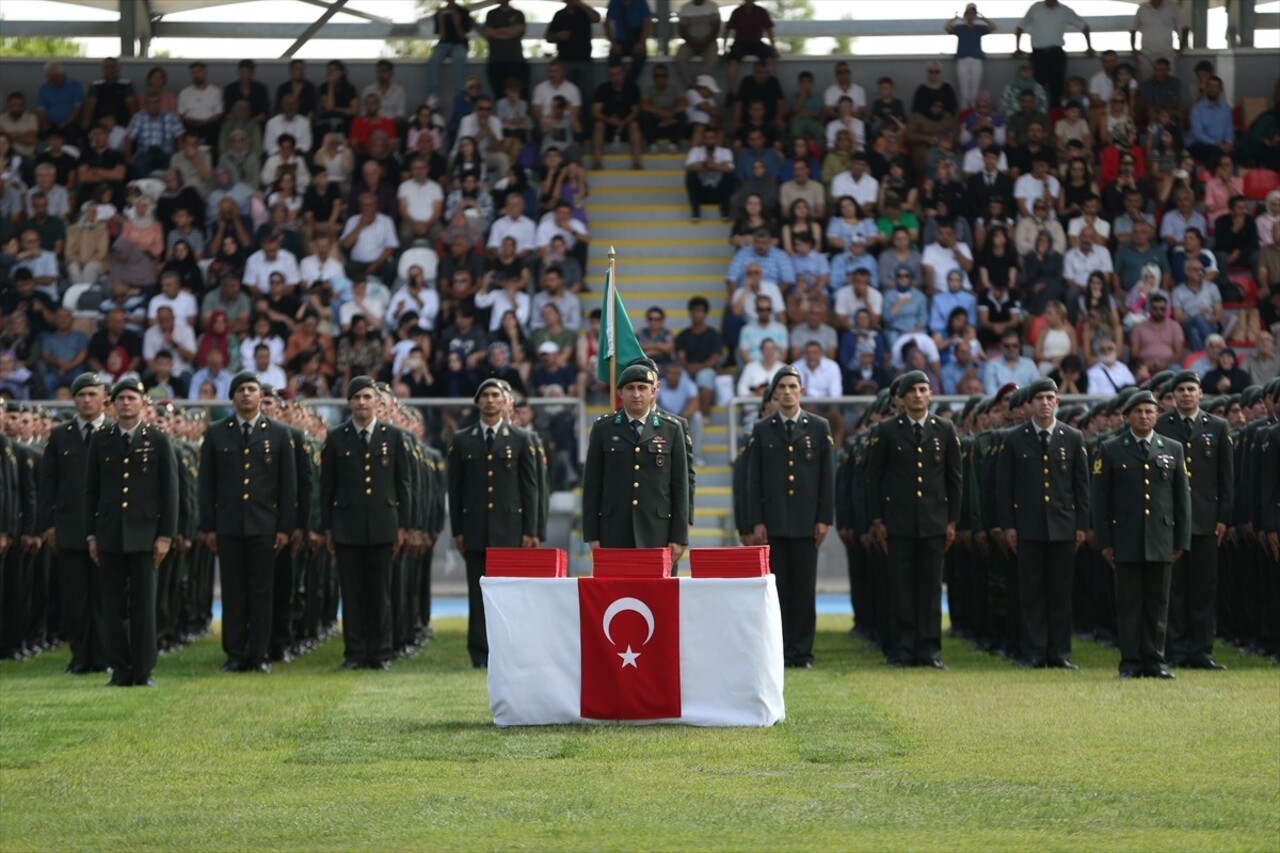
(369, 239)
(1090, 218)
(272, 257)
(856, 256)
(551, 372)
(287, 158)
(906, 310)
(382, 150)
(283, 307)
(1263, 364)
(655, 339)
(497, 365)
(115, 337)
(662, 108)
(806, 111)
(263, 334)
(1208, 360)
(176, 340)
(417, 295)
(615, 111)
(700, 350)
(1131, 212)
(760, 185)
(57, 199)
(1174, 224)
(502, 293)
(1011, 99)
(836, 160)
(857, 295)
(945, 255)
(813, 276)
(846, 120)
(1212, 132)
(214, 374)
(183, 264)
(1226, 377)
(953, 297)
(751, 29)
(369, 121)
(864, 375)
(886, 112)
(557, 85)
(858, 184)
(848, 224)
(1088, 257)
(802, 188)
(152, 137)
(1192, 248)
(512, 334)
(553, 330)
(1138, 298)
(1235, 236)
(911, 342)
(323, 265)
(1108, 374)
(88, 247)
(16, 381)
(813, 329)
(560, 222)
(1197, 305)
(1056, 339)
(751, 215)
(171, 295)
(305, 341)
(763, 327)
(1012, 366)
(551, 291)
(63, 351)
(472, 201)
(241, 160)
(184, 230)
(925, 129)
(516, 225)
(897, 254)
(1157, 342)
(757, 373)
(131, 301)
(961, 366)
(230, 205)
(374, 181)
(775, 265)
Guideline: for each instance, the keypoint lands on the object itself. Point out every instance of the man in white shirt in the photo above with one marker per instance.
(513, 224)
(1046, 22)
(172, 296)
(1156, 21)
(1109, 374)
(699, 25)
(1103, 82)
(708, 176)
(857, 183)
(486, 129)
(200, 105)
(856, 294)
(321, 264)
(1039, 183)
(421, 204)
(370, 241)
(166, 334)
(268, 373)
(272, 257)
(1089, 218)
(844, 87)
(288, 121)
(947, 254)
(551, 290)
(1082, 261)
(560, 222)
(416, 296)
(821, 375)
(555, 84)
(392, 101)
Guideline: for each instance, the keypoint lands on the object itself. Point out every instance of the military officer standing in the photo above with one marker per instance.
(914, 478)
(1042, 491)
(131, 516)
(791, 505)
(492, 469)
(1141, 539)
(18, 564)
(364, 516)
(1193, 587)
(248, 499)
(646, 447)
(62, 483)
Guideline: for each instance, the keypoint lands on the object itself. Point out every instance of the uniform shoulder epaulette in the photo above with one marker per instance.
(605, 416)
(667, 416)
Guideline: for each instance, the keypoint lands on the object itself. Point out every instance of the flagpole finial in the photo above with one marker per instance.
(613, 253)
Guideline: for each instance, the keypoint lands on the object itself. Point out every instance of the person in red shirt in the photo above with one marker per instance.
(364, 125)
(751, 29)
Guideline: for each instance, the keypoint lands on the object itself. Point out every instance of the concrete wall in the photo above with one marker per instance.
(1245, 72)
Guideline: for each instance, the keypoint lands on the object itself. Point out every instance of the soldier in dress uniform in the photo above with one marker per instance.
(684, 425)
(791, 505)
(248, 500)
(62, 483)
(996, 615)
(364, 515)
(492, 468)
(10, 537)
(914, 482)
(131, 517)
(646, 446)
(289, 589)
(180, 604)
(20, 560)
(1193, 588)
(1042, 496)
(1141, 539)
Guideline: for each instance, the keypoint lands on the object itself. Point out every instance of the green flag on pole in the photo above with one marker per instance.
(617, 336)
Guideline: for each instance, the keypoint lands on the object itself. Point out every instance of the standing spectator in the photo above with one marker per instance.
(570, 31)
(1012, 366)
(969, 56)
(452, 23)
(751, 29)
(699, 26)
(60, 102)
(1046, 23)
(615, 111)
(627, 27)
(504, 27)
(1157, 21)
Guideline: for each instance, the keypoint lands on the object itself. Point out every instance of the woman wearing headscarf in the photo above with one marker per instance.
(217, 335)
(240, 159)
(240, 119)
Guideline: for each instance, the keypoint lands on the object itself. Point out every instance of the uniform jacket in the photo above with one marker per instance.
(914, 490)
(1043, 496)
(306, 482)
(791, 482)
(248, 489)
(1268, 464)
(8, 487)
(1141, 507)
(62, 484)
(27, 479)
(131, 496)
(494, 496)
(1210, 465)
(655, 508)
(364, 493)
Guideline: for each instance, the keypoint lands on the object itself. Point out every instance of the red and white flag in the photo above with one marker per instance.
(630, 648)
(702, 652)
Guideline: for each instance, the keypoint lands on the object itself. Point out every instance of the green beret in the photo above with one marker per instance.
(12, 407)
(1233, 400)
(984, 406)
(88, 380)
(1183, 376)
(785, 370)
(1211, 403)
(638, 373)
(1157, 381)
(270, 391)
(241, 378)
(134, 385)
(1272, 388)
(969, 405)
(1250, 395)
(909, 380)
(491, 382)
(358, 384)
(1123, 395)
(1138, 399)
(1018, 398)
(644, 361)
(1044, 383)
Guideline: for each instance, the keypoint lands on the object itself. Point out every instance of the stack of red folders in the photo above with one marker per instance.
(747, 561)
(526, 563)
(631, 563)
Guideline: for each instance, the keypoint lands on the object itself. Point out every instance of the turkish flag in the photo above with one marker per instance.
(630, 648)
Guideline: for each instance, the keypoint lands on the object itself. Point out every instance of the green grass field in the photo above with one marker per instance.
(982, 757)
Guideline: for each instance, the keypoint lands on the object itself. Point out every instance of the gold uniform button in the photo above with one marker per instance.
(791, 448)
(919, 450)
(1146, 466)
(124, 505)
(1146, 512)
(366, 479)
(1146, 497)
(489, 457)
(1146, 482)
(637, 450)
(125, 490)
(126, 475)
(1046, 498)
(791, 491)
(1046, 471)
(633, 503)
(635, 485)
(246, 451)
(490, 473)
(637, 467)
(919, 464)
(919, 494)
(368, 491)
(491, 488)
(1046, 484)
(246, 496)
(490, 506)
(246, 481)
(791, 478)
(368, 468)
(919, 479)
(791, 463)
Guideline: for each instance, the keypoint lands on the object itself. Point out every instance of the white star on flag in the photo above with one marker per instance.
(629, 658)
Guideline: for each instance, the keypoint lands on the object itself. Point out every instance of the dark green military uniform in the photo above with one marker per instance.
(248, 496)
(131, 501)
(1193, 586)
(1042, 493)
(62, 483)
(654, 511)
(364, 505)
(791, 491)
(1141, 510)
(9, 526)
(913, 488)
(494, 502)
(176, 605)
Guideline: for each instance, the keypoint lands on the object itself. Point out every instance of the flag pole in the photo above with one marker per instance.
(612, 326)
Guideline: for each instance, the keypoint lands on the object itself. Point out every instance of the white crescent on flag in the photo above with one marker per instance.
(621, 606)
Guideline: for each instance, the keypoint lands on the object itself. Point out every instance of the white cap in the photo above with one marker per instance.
(708, 81)
(548, 348)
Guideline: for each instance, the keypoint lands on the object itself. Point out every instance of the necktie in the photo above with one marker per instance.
(245, 429)
(791, 429)
(637, 426)
(1044, 440)
(88, 433)
(1144, 446)
(488, 438)
(919, 431)
(128, 440)
(364, 438)
(1186, 426)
